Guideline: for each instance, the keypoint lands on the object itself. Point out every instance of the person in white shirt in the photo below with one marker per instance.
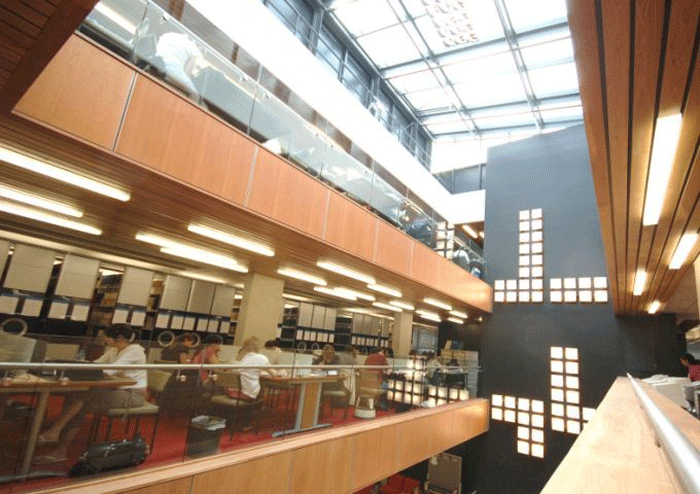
(250, 355)
(181, 58)
(120, 351)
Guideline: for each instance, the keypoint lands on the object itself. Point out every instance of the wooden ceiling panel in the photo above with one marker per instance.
(638, 60)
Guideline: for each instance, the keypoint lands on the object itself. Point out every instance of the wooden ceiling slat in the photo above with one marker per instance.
(582, 19)
(4, 73)
(23, 40)
(41, 6)
(25, 11)
(682, 29)
(649, 25)
(11, 46)
(19, 23)
(616, 35)
(6, 64)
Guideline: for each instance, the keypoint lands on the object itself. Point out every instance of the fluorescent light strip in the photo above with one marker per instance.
(21, 196)
(234, 240)
(296, 297)
(431, 317)
(33, 214)
(654, 307)
(334, 293)
(640, 280)
(356, 294)
(350, 273)
(203, 277)
(427, 313)
(386, 306)
(300, 275)
(193, 253)
(683, 250)
(663, 154)
(402, 304)
(437, 303)
(384, 289)
(460, 314)
(456, 319)
(470, 231)
(34, 165)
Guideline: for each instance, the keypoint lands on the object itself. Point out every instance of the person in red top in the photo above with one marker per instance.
(693, 365)
(378, 357)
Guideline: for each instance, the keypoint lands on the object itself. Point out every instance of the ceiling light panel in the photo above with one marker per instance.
(384, 289)
(36, 215)
(235, 240)
(40, 202)
(386, 306)
(335, 293)
(640, 280)
(345, 271)
(460, 314)
(683, 250)
(178, 249)
(437, 303)
(34, 165)
(301, 275)
(402, 304)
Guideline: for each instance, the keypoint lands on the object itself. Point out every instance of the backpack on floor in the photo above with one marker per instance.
(110, 456)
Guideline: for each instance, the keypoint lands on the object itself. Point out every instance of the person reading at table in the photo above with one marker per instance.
(378, 357)
(208, 354)
(329, 357)
(181, 350)
(120, 350)
(250, 355)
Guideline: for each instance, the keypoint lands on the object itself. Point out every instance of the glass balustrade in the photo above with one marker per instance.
(220, 76)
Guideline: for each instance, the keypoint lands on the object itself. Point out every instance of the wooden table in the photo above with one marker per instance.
(308, 404)
(44, 387)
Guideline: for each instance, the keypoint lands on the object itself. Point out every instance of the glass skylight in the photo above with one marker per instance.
(505, 65)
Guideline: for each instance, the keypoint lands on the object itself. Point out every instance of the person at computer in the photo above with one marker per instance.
(693, 365)
(208, 354)
(249, 355)
(120, 350)
(378, 357)
(181, 58)
(181, 350)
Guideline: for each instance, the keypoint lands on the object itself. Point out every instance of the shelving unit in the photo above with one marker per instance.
(104, 301)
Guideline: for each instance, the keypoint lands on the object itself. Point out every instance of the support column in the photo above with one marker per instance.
(403, 332)
(696, 269)
(261, 307)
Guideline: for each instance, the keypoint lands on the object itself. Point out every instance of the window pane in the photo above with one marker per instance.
(389, 46)
(524, 17)
(550, 81)
(546, 54)
(365, 16)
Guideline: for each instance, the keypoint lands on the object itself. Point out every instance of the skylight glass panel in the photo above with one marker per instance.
(515, 119)
(365, 16)
(416, 8)
(430, 99)
(565, 113)
(484, 68)
(558, 79)
(484, 91)
(524, 16)
(448, 127)
(389, 46)
(417, 81)
(547, 54)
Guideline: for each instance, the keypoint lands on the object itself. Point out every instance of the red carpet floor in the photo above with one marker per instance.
(169, 446)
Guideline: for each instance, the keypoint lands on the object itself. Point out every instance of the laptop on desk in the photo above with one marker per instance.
(85, 374)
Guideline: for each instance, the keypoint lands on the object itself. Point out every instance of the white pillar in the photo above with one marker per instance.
(260, 308)
(403, 332)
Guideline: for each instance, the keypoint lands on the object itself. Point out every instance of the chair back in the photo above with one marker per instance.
(230, 380)
(157, 379)
(366, 379)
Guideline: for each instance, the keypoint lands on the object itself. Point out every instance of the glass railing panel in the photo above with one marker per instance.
(117, 25)
(386, 200)
(348, 175)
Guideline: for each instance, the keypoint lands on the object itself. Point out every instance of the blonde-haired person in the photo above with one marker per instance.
(250, 355)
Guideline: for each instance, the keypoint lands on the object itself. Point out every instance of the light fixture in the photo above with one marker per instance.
(470, 231)
(193, 253)
(460, 314)
(40, 202)
(230, 239)
(35, 215)
(683, 250)
(663, 153)
(110, 272)
(456, 320)
(437, 303)
(300, 275)
(386, 306)
(203, 277)
(640, 280)
(345, 271)
(384, 289)
(654, 307)
(296, 297)
(237, 296)
(402, 304)
(356, 294)
(335, 293)
(34, 165)
(481, 234)
(430, 316)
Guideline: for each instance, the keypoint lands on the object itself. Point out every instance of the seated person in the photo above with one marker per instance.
(273, 351)
(432, 368)
(249, 354)
(180, 350)
(377, 357)
(693, 365)
(120, 350)
(329, 357)
(181, 58)
(208, 354)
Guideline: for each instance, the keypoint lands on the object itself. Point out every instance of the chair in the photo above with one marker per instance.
(333, 394)
(128, 415)
(368, 386)
(234, 408)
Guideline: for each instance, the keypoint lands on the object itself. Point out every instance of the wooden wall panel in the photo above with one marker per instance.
(287, 194)
(350, 227)
(374, 455)
(322, 468)
(425, 265)
(268, 474)
(82, 92)
(166, 132)
(179, 486)
(393, 249)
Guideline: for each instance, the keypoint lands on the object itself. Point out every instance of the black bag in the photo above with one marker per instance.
(110, 456)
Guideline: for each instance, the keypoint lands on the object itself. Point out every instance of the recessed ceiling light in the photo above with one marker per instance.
(460, 314)
(683, 250)
(345, 271)
(297, 297)
(300, 275)
(456, 320)
(470, 231)
(203, 277)
(437, 303)
(663, 155)
(654, 307)
(178, 249)
(335, 293)
(40, 202)
(640, 280)
(386, 306)
(384, 289)
(430, 316)
(402, 304)
(36, 215)
(235, 240)
(32, 164)
(356, 294)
